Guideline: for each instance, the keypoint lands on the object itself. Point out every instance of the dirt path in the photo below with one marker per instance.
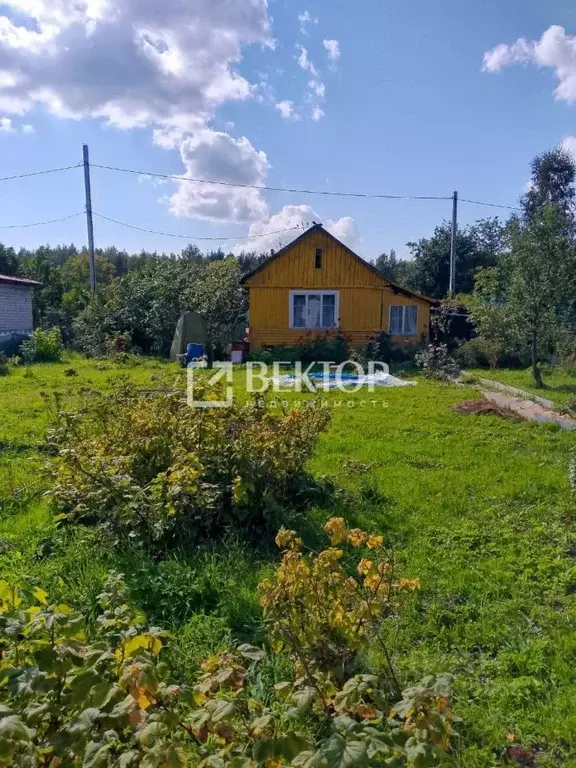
(528, 409)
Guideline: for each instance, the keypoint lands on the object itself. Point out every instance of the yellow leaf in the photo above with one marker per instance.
(155, 645)
(199, 698)
(41, 595)
(131, 646)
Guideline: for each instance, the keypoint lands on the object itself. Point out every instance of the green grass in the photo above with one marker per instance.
(479, 508)
(559, 386)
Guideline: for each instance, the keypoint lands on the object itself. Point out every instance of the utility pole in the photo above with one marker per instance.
(89, 222)
(452, 286)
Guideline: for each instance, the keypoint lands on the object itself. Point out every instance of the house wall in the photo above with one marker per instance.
(365, 297)
(15, 308)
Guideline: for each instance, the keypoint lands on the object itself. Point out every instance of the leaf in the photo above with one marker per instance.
(13, 729)
(96, 755)
(251, 652)
(131, 646)
(308, 759)
(129, 759)
(286, 747)
(283, 689)
(341, 753)
(218, 709)
(150, 734)
(304, 697)
(102, 693)
(41, 595)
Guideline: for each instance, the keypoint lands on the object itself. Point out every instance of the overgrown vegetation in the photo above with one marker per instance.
(146, 466)
(113, 701)
(43, 346)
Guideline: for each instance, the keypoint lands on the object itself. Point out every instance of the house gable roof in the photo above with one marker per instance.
(318, 227)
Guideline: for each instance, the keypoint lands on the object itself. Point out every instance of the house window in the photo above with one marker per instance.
(318, 258)
(318, 309)
(403, 320)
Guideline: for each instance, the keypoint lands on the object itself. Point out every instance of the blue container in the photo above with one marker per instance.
(194, 351)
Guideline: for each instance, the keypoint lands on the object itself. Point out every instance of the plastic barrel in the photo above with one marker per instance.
(194, 351)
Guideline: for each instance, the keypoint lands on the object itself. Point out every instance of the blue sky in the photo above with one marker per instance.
(377, 97)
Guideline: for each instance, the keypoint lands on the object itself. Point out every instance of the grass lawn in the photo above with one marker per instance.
(558, 386)
(477, 507)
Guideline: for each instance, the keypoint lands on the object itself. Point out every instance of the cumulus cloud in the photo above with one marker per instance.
(141, 63)
(317, 113)
(286, 109)
(131, 62)
(6, 125)
(332, 49)
(305, 18)
(555, 50)
(27, 128)
(269, 237)
(210, 154)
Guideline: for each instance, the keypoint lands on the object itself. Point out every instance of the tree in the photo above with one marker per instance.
(552, 183)
(477, 245)
(492, 314)
(8, 261)
(394, 269)
(219, 298)
(542, 264)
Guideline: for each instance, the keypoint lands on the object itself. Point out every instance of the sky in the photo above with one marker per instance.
(399, 97)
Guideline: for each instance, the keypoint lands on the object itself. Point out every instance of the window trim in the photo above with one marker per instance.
(311, 292)
(403, 306)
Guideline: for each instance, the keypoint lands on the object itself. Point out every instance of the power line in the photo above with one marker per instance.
(40, 223)
(272, 189)
(264, 188)
(40, 173)
(194, 237)
(491, 205)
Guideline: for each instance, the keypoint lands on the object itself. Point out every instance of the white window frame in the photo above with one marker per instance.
(311, 292)
(403, 306)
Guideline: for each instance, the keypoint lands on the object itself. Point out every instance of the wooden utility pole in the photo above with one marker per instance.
(89, 222)
(452, 286)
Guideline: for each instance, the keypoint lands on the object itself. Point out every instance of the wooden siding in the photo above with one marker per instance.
(365, 296)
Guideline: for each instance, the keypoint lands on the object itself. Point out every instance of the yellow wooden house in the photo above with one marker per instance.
(317, 284)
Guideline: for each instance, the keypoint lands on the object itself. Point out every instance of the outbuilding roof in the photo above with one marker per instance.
(11, 280)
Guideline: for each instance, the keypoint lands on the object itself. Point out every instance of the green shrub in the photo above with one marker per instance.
(114, 700)
(43, 346)
(436, 363)
(333, 346)
(150, 467)
(278, 353)
(4, 365)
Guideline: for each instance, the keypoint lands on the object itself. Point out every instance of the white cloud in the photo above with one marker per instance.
(286, 109)
(332, 49)
(304, 61)
(306, 18)
(130, 62)
(318, 88)
(210, 154)
(27, 128)
(555, 50)
(317, 113)
(569, 144)
(301, 216)
(6, 125)
(140, 63)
